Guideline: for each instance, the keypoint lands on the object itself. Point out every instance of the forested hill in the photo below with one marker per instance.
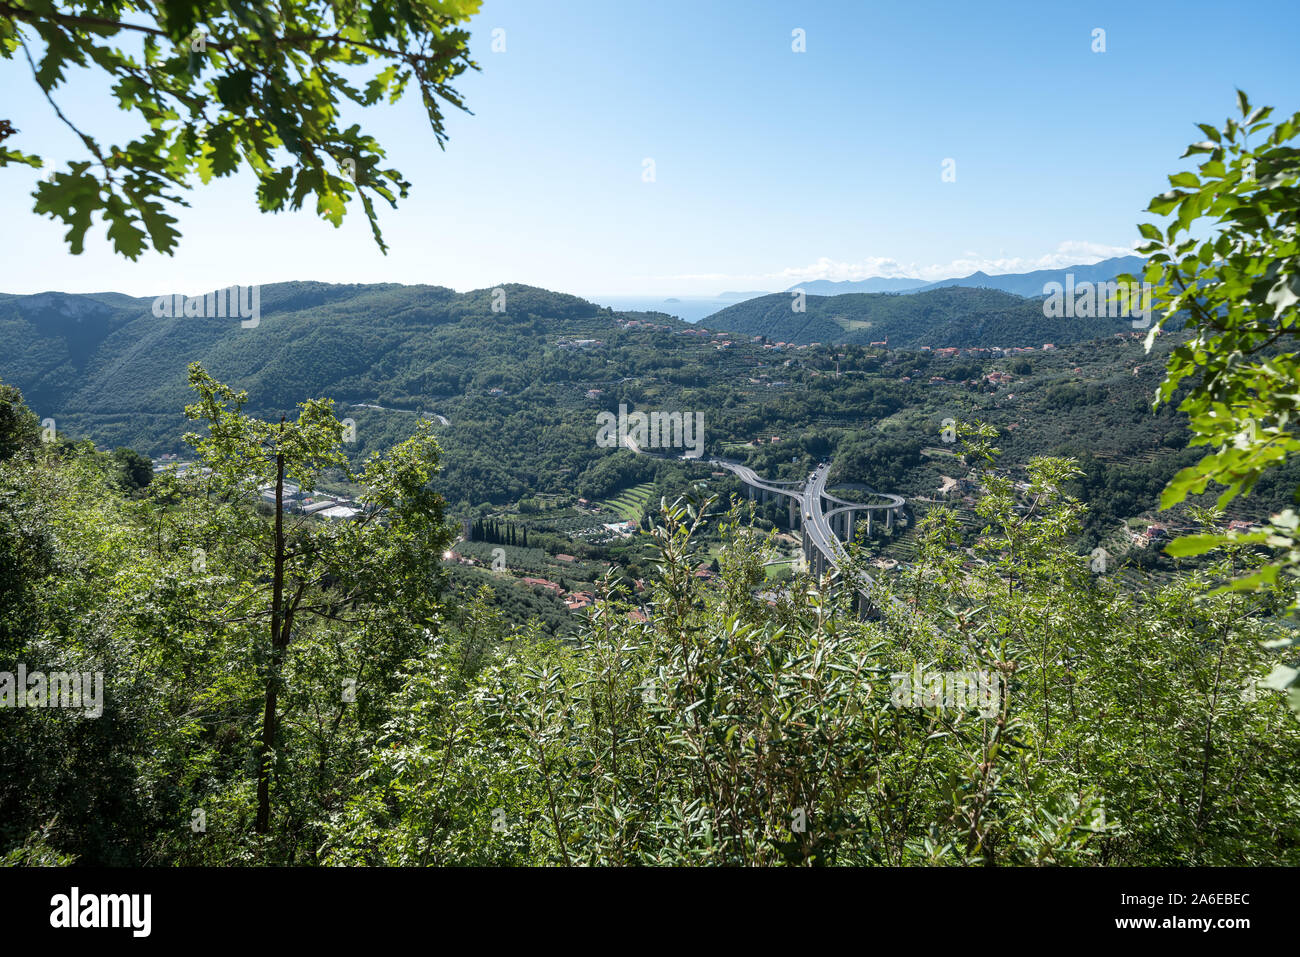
(952, 316)
(107, 354)
(515, 393)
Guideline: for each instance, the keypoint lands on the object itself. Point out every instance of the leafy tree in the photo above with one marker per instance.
(71, 572)
(1239, 290)
(1127, 727)
(135, 471)
(726, 731)
(344, 572)
(19, 428)
(230, 85)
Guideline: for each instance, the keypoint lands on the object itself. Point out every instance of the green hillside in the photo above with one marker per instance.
(515, 394)
(955, 316)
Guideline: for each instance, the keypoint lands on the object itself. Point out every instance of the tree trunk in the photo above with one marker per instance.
(278, 640)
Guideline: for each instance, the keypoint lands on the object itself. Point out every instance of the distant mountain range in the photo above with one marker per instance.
(830, 287)
(1028, 284)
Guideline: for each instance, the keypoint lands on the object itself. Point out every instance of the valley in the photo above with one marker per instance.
(520, 395)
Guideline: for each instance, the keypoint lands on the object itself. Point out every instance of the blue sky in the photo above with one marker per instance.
(771, 167)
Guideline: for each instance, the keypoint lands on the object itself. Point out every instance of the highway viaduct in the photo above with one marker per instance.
(827, 522)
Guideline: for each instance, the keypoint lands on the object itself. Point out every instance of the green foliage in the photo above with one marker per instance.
(1145, 705)
(877, 461)
(410, 730)
(220, 87)
(135, 470)
(727, 732)
(950, 316)
(1239, 286)
(19, 429)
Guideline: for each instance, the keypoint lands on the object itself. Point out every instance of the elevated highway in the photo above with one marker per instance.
(825, 530)
(827, 521)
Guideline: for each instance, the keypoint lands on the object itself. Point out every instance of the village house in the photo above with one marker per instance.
(545, 584)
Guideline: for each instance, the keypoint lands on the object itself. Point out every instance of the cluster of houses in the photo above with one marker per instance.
(789, 345)
(958, 488)
(1158, 531)
(992, 378)
(1153, 533)
(725, 339)
(331, 507)
(573, 600)
(952, 352)
(579, 599)
(172, 461)
(621, 529)
(643, 324)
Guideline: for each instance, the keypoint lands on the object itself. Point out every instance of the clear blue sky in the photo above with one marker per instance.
(772, 167)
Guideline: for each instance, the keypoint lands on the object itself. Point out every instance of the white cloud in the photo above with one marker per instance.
(1069, 253)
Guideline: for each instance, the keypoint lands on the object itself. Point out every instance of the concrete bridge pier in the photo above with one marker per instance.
(867, 609)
